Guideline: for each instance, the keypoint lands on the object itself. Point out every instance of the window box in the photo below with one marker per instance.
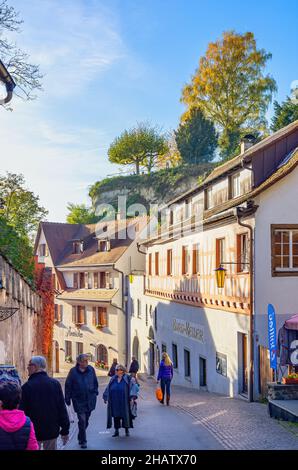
(99, 326)
(101, 365)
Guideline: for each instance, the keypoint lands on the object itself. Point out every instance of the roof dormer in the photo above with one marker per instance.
(77, 247)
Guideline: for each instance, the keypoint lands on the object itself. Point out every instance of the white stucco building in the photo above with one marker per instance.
(243, 218)
(91, 265)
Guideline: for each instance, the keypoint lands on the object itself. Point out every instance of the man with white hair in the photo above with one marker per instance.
(43, 401)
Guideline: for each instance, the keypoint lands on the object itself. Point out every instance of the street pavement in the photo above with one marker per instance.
(195, 420)
(157, 427)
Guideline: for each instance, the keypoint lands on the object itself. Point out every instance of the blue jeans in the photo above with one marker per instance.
(165, 386)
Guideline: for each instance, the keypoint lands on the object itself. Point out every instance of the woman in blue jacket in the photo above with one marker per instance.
(165, 375)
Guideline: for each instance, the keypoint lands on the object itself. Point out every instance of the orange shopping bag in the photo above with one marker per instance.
(158, 394)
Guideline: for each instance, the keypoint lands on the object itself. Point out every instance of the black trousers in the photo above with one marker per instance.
(118, 423)
(83, 425)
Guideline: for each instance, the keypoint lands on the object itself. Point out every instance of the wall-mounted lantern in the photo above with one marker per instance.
(220, 274)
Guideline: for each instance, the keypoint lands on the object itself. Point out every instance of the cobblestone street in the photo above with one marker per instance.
(195, 420)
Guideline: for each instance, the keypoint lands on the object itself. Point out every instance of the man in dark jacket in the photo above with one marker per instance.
(112, 371)
(134, 367)
(43, 401)
(81, 387)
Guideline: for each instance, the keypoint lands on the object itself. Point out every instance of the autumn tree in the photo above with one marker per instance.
(196, 138)
(27, 76)
(231, 88)
(284, 114)
(141, 146)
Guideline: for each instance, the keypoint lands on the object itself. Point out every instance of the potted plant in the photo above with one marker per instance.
(291, 379)
(68, 359)
(99, 326)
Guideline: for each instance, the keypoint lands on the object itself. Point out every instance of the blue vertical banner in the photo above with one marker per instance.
(272, 340)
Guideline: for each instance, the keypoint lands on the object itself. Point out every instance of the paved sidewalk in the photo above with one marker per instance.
(235, 423)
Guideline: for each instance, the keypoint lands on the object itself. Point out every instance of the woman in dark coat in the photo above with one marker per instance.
(120, 394)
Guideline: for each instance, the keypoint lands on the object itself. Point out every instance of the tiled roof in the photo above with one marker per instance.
(88, 294)
(60, 239)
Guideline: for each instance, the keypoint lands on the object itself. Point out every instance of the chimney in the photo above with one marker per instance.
(246, 142)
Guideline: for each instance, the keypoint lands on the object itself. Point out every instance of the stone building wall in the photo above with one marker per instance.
(20, 336)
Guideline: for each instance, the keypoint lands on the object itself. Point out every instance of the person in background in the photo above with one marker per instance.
(165, 375)
(113, 367)
(16, 429)
(81, 387)
(134, 367)
(119, 394)
(43, 401)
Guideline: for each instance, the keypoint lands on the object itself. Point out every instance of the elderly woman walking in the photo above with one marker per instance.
(120, 394)
(165, 375)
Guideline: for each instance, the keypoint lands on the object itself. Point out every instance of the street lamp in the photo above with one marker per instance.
(220, 274)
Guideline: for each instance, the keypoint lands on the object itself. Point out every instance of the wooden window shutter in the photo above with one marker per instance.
(75, 281)
(157, 263)
(103, 316)
(195, 259)
(94, 316)
(74, 312)
(86, 280)
(150, 264)
(239, 267)
(107, 280)
(95, 280)
(183, 260)
(274, 259)
(217, 253)
(61, 313)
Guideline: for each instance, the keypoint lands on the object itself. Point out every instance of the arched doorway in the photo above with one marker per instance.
(151, 352)
(136, 349)
(102, 354)
(56, 357)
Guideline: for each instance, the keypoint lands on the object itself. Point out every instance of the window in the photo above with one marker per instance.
(139, 308)
(42, 250)
(242, 253)
(221, 364)
(150, 264)
(169, 262)
(163, 347)
(58, 313)
(208, 198)
(68, 349)
(195, 259)
(78, 315)
(102, 280)
(157, 263)
(220, 251)
(235, 185)
(89, 280)
(104, 245)
(80, 348)
(186, 363)
(175, 355)
(155, 318)
(203, 372)
(284, 240)
(99, 317)
(102, 354)
(185, 260)
(75, 280)
(95, 280)
(187, 209)
(82, 280)
(77, 247)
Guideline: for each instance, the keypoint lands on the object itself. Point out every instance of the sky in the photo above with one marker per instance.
(109, 64)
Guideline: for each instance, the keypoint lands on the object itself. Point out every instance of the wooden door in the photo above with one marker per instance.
(265, 371)
(244, 365)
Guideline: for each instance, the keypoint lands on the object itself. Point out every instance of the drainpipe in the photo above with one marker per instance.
(251, 304)
(125, 313)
